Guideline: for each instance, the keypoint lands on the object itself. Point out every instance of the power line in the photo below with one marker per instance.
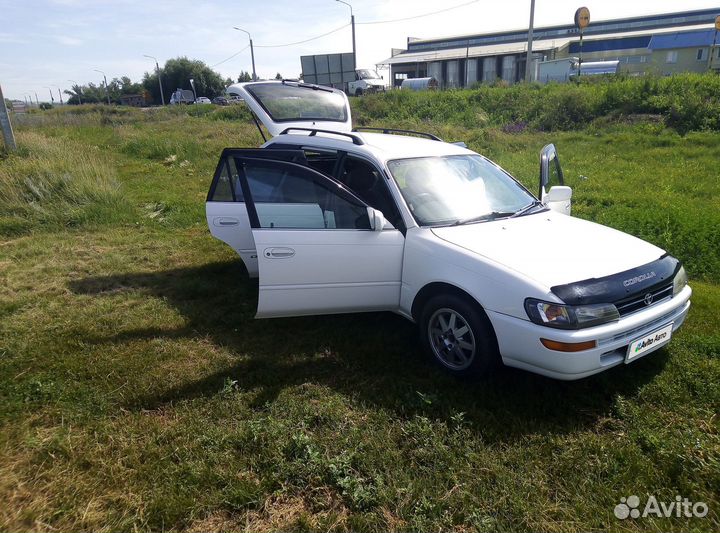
(302, 42)
(420, 16)
(342, 28)
(229, 58)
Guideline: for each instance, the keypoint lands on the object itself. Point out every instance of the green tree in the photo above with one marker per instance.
(278, 76)
(244, 77)
(176, 74)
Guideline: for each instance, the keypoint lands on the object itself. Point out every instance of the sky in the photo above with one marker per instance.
(47, 43)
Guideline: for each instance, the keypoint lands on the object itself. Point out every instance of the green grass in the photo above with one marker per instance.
(138, 392)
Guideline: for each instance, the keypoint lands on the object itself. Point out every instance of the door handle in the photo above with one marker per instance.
(225, 221)
(279, 253)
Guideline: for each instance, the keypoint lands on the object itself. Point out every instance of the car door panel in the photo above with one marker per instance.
(226, 211)
(305, 272)
(316, 251)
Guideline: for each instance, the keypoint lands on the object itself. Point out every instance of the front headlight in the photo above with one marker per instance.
(679, 281)
(569, 316)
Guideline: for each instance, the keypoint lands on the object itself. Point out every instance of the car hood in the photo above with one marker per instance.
(551, 248)
(375, 82)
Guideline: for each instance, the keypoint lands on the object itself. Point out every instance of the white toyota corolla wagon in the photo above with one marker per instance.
(336, 220)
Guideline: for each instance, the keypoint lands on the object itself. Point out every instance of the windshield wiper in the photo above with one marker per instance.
(483, 218)
(525, 210)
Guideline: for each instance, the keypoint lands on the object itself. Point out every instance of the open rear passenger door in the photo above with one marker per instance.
(320, 249)
(225, 207)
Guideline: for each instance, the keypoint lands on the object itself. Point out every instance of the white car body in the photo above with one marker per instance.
(203, 100)
(313, 268)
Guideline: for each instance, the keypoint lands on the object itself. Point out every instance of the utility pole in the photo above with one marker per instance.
(528, 59)
(192, 84)
(252, 50)
(37, 100)
(107, 91)
(5, 125)
(52, 98)
(157, 68)
(60, 95)
(352, 24)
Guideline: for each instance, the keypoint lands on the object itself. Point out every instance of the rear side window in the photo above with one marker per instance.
(226, 185)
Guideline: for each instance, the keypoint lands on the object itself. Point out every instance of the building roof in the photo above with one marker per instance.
(687, 39)
(645, 23)
(474, 51)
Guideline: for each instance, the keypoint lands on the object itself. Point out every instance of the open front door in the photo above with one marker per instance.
(225, 208)
(553, 192)
(320, 249)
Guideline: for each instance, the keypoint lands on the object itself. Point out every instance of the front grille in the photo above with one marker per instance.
(639, 301)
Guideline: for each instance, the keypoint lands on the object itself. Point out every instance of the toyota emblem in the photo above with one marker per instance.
(648, 298)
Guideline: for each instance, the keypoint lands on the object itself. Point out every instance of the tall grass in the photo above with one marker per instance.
(54, 182)
(684, 102)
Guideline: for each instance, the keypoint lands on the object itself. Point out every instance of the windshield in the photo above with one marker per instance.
(286, 103)
(457, 189)
(365, 74)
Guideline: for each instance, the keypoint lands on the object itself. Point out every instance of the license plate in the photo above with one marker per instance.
(649, 342)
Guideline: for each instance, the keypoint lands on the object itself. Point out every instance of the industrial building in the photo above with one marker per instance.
(660, 44)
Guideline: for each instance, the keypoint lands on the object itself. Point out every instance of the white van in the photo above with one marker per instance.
(335, 220)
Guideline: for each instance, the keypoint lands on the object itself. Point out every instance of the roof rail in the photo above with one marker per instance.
(313, 132)
(405, 132)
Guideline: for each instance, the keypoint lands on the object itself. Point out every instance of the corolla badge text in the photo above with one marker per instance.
(638, 279)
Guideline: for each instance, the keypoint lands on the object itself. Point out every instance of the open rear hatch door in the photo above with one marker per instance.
(280, 105)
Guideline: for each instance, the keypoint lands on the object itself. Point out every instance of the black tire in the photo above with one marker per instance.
(446, 342)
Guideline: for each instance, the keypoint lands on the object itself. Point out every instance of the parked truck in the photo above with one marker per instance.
(337, 71)
(182, 96)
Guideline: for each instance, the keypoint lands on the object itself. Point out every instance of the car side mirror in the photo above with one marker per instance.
(377, 219)
(558, 198)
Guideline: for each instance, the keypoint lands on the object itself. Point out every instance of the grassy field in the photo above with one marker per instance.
(137, 392)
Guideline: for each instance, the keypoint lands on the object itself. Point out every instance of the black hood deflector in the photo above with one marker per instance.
(610, 289)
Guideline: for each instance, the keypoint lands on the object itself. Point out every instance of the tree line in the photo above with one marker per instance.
(175, 74)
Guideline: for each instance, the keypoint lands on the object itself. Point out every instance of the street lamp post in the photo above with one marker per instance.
(52, 98)
(60, 95)
(107, 91)
(157, 68)
(252, 51)
(352, 23)
(79, 90)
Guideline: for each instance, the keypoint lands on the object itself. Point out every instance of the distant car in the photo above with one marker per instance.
(335, 220)
(202, 100)
(220, 100)
(234, 99)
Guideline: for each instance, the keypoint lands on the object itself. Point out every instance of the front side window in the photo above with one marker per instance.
(456, 189)
(288, 196)
(365, 74)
